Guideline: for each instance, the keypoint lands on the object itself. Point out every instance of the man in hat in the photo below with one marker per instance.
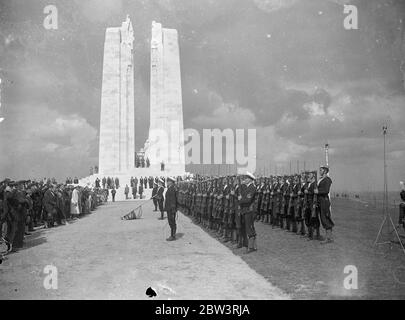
(310, 216)
(322, 190)
(160, 198)
(74, 204)
(171, 207)
(246, 202)
(49, 202)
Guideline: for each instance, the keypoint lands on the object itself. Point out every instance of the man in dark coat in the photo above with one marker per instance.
(171, 207)
(246, 202)
(109, 183)
(140, 190)
(126, 191)
(136, 182)
(154, 192)
(322, 191)
(97, 183)
(141, 181)
(49, 205)
(113, 192)
(134, 191)
(160, 198)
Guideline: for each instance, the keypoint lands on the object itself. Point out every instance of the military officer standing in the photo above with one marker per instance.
(160, 198)
(171, 207)
(322, 190)
(246, 203)
(154, 192)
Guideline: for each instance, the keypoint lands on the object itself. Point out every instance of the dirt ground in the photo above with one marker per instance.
(309, 270)
(103, 257)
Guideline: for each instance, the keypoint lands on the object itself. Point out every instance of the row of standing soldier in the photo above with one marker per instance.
(298, 203)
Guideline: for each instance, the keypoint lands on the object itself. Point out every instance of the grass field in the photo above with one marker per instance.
(309, 270)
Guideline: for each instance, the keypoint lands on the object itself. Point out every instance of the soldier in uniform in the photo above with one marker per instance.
(293, 203)
(160, 199)
(154, 192)
(264, 207)
(259, 198)
(226, 210)
(301, 204)
(219, 207)
(171, 207)
(283, 198)
(204, 204)
(140, 190)
(322, 192)
(246, 202)
(274, 202)
(311, 217)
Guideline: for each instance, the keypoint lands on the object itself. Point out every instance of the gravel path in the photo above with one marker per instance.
(103, 257)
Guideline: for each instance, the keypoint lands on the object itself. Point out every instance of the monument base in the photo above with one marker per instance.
(125, 179)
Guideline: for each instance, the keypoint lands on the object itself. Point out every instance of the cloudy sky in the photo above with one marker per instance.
(287, 68)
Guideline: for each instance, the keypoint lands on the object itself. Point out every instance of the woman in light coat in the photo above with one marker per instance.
(74, 203)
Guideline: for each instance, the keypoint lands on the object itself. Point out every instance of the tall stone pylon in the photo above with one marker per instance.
(166, 131)
(117, 122)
